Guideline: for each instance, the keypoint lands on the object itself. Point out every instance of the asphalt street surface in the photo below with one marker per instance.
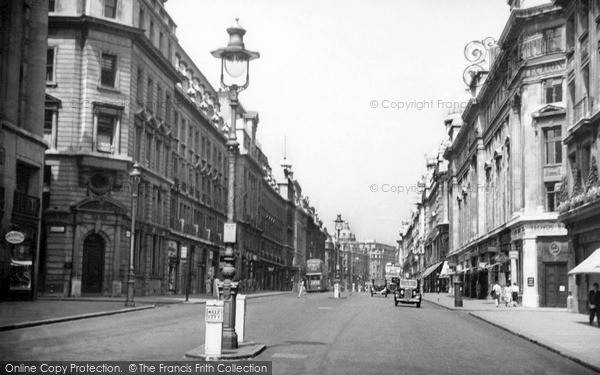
(314, 335)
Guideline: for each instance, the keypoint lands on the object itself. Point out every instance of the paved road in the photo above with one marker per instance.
(316, 335)
(364, 335)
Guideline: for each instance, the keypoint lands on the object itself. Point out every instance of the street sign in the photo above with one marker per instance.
(14, 237)
(229, 233)
(214, 314)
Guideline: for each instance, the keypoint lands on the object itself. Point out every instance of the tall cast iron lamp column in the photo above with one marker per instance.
(339, 224)
(235, 61)
(135, 176)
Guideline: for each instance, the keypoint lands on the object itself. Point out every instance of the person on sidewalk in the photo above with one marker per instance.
(216, 288)
(594, 301)
(515, 294)
(302, 289)
(496, 293)
(507, 295)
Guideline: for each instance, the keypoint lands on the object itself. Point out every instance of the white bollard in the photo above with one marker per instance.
(214, 328)
(336, 290)
(240, 317)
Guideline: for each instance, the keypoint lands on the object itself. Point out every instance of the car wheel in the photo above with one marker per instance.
(395, 303)
(371, 294)
(385, 295)
(418, 305)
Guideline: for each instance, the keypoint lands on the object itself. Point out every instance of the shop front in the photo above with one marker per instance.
(538, 263)
(583, 224)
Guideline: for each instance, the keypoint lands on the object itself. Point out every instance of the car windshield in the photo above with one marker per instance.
(408, 283)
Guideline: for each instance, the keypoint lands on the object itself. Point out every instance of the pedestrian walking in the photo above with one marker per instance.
(507, 295)
(594, 301)
(515, 294)
(302, 289)
(216, 288)
(496, 293)
(208, 285)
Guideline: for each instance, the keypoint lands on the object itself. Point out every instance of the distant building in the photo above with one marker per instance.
(378, 256)
(23, 73)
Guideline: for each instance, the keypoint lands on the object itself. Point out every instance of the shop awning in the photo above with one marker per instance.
(20, 263)
(430, 269)
(591, 264)
(446, 272)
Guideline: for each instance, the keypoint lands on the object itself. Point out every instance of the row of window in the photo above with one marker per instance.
(158, 42)
(107, 62)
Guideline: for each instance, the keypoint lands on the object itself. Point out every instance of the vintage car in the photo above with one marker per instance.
(408, 291)
(379, 287)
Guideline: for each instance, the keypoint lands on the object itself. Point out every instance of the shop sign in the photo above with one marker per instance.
(14, 237)
(542, 69)
(57, 229)
(551, 173)
(531, 281)
(229, 232)
(213, 314)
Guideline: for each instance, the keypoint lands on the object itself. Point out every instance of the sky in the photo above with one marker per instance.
(357, 90)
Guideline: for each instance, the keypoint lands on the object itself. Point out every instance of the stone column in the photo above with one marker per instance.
(513, 255)
(516, 143)
(531, 297)
(573, 298)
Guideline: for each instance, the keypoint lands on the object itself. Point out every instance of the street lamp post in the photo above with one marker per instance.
(339, 224)
(135, 177)
(235, 61)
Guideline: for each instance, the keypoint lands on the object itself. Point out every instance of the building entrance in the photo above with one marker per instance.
(93, 264)
(556, 284)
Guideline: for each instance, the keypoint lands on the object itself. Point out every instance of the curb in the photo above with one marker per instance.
(244, 351)
(14, 326)
(539, 343)
(150, 305)
(444, 306)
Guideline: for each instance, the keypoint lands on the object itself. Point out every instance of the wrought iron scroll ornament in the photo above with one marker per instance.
(477, 52)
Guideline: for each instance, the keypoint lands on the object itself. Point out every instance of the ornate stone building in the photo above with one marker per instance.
(506, 161)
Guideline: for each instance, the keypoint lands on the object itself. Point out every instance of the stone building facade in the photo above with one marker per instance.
(506, 161)
(23, 41)
(122, 91)
(580, 193)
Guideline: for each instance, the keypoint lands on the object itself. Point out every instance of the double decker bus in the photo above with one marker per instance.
(316, 273)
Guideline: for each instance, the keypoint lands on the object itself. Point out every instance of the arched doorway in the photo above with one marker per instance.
(92, 264)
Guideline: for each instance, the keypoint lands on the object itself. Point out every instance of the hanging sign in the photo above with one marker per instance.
(229, 233)
(14, 237)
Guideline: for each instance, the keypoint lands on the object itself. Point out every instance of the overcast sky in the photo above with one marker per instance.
(326, 72)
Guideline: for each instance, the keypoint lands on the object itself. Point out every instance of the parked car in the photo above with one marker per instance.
(379, 287)
(408, 291)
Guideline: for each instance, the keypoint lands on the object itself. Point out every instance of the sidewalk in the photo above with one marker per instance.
(567, 334)
(48, 310)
